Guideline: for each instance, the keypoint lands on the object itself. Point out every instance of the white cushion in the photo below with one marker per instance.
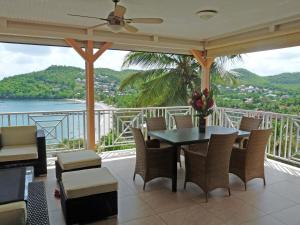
(78, 159)
(18, 152)
(20, 135)
(88, 182)
(13, 213)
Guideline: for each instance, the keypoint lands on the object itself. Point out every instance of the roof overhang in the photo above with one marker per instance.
(276, 34)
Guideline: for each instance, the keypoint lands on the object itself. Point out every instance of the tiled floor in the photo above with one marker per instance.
(276, 204)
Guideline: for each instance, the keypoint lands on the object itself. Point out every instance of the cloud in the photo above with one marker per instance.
(34, 50)
(18, 59)
(271, 62)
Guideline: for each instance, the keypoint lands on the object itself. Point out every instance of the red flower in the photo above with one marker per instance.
(205, 92)
(196, 94)
(199, 103)
(210, 103)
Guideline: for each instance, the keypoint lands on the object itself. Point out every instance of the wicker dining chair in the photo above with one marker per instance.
(248, 163)
(186, 121)
(152, 161)
(247, 124)
(159, 123)
(210, 171)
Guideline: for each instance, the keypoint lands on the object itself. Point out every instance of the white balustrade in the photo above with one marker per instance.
(66, 130)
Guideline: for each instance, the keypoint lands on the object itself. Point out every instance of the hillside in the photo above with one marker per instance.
(283, 81)
(60, 82)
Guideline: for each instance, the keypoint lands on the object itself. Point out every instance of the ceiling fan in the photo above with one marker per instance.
(116, 20)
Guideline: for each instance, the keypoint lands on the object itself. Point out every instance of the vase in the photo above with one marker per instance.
(202, 124)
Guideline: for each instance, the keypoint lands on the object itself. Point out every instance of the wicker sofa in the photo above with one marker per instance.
(23, 146)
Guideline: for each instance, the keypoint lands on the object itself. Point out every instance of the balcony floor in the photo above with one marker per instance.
(276, 204)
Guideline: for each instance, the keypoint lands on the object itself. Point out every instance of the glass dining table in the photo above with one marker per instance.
(186, 136)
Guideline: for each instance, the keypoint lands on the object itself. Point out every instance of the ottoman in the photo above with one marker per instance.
(88, 195)
(70, 161)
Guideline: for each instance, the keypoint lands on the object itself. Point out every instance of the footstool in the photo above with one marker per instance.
(78, 160)
(88, 195)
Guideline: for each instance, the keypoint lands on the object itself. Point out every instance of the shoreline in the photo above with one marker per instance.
(44, 105)
(99, 104)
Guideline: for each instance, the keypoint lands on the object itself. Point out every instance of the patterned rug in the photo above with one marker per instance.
(37, 209)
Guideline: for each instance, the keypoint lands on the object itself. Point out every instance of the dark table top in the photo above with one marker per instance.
(14, 184)
(192, 135)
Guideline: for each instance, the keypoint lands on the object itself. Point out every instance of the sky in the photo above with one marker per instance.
(18, 59)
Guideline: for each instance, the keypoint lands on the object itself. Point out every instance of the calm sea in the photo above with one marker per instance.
(40, 105)
(57, 127)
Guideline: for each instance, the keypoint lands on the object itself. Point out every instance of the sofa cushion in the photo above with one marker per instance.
(13, 213)
(78, 159)
(20, 135)
(88, 182)
(18, 153)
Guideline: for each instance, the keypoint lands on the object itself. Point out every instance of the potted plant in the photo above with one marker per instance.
(203, 103)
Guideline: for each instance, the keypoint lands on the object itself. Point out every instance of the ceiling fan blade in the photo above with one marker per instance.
(130, 28)
(97, 25)
(91, 17)
(119, 11)
(145, 20)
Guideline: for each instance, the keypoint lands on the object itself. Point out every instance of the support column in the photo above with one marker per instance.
(89, 58)
(206, 63)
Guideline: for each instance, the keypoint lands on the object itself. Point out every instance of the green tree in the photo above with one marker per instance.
(169, 79)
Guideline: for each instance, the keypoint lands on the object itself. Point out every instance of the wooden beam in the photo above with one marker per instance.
(89, 58)
(76, 47)
(206, 63)
(290, 40)
(90, 95)
(102, 49)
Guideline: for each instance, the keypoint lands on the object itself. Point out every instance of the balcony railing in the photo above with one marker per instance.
(66, 130)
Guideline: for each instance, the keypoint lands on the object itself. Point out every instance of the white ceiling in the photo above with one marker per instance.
(180, 19)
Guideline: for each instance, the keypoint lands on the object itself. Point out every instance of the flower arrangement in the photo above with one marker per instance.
(203, 102)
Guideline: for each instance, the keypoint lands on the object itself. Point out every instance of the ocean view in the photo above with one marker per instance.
(25, 105)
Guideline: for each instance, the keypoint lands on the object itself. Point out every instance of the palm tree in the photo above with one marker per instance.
(169, 79)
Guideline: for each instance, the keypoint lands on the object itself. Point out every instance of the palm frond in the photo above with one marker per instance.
(149, 60)
(139, 77)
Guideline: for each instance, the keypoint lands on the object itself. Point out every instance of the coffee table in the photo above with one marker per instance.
(14, 184)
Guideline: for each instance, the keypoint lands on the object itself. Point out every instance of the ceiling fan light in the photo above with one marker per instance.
(115, 27)
(207, 14)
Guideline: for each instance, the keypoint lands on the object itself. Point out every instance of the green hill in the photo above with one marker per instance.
(59, 82)
(284, 81)
(69, 82)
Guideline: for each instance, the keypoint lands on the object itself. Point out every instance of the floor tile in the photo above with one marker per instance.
(131, 208)
(276, 204)
(265, 220)
(286, 189)
(270, 202)
(290, 216)
(232, 210)
(195, 215)
(162, 201)
(151, 220)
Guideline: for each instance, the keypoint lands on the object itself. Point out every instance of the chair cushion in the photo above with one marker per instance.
(78, 159)
(13, 213)
(88, 182)
(18, 153)
(20, 135)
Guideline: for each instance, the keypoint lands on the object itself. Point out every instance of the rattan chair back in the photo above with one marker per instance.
(185, 121)
(140, 149)
(152, 161)
(249, 123)
(218, 156)
(255, 151)
(156, 123)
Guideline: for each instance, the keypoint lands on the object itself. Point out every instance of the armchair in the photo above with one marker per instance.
(23, 146)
